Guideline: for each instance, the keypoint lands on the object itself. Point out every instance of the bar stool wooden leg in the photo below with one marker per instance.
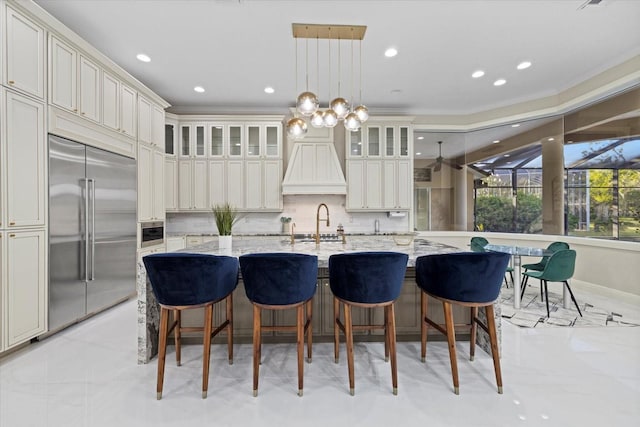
(162, 350)
(474, 330)
(423, 326)
(300, 345)
(309, 330)
(391, 327)
(493, 337)
(451, 339)
(348, 326)
(177, 335)
(257, 325)
(386, 334)
(206, 353)
(336, 332)
(229, 307)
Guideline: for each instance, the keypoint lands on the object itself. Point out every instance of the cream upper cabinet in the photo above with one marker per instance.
(24, 286)
(144, 120)
(379, 167)
(110, 102)
(170, 184)
(89, 90)
(127, 111)
(192, 185)
(63, 75)
(170, 139)
(24, 167)
(157, 127)
(24, 61)
(217, 181)
(158, 206)
(235, 183)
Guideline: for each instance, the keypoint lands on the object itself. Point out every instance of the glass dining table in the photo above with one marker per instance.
(517, 252)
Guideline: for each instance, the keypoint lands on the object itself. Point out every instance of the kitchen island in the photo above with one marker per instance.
(407, 305)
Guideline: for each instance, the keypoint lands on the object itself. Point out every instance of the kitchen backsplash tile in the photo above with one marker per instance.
(302, 210)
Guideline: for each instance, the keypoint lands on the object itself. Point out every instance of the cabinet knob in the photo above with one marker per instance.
(75, 110)
(12, 235)
(12, 223)
(83, 113)
(11, 82)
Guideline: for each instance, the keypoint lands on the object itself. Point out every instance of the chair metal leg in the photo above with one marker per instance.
(348, 326)
(511, 275)
(300, 345)
(390, 326)
(451, 339)
(546, 295)
(162, 350)
(493, 337)
(566, 283)
(423, 326)
(257, 325)
(474, 329)
(523, 286)
(206, 351)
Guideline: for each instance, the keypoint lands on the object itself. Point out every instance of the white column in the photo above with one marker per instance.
(460, 197)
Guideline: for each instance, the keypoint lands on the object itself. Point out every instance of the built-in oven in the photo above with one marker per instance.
(151, 233)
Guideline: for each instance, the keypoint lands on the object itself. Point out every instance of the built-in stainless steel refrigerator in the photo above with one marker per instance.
(92, 230)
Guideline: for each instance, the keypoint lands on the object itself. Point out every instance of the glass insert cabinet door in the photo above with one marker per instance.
(272, 138)
(389, 141)
(200, 144)
(235, 140)
(169, 142)
(185, 141)
(373, 141)
(253, 141)
(355, 143)
(217, 140)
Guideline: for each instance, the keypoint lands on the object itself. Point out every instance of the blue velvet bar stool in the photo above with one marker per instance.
(182, 281)
(470, 279)
(366, 279)
(280, 281)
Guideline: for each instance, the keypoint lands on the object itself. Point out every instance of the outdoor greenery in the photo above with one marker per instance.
(496, 213)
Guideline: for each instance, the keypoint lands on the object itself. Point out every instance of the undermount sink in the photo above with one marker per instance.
(311, 238)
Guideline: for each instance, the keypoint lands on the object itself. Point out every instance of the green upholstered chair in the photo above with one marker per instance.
(539, 266)
(469, 280)
(559, 268)
(478, 244)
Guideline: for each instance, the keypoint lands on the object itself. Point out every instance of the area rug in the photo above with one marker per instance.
(533, 311)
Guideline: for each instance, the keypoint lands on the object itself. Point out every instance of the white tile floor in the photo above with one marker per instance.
(87, 376)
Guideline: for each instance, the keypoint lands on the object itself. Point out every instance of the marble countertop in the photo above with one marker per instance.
(246, 245)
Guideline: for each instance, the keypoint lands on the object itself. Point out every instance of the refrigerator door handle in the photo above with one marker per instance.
(93, 228)
(86, 229)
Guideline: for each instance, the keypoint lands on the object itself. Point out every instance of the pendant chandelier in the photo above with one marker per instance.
(339, 108)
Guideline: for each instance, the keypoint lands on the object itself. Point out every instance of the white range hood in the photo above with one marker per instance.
(314, 168)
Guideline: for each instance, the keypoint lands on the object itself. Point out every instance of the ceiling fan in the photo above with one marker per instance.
(437, 164)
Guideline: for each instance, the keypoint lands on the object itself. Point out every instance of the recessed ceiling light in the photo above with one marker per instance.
(523, 65)
(495, 141)
(551, 139)
(417, 154)
(421, 137)
(396, 91)
(477, 74)
(142, 57)
(499, 82)
(391, 52)
(269, 89)
(515, 125)
(199, 89)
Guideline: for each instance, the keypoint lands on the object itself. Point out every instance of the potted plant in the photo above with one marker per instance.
(225, 216)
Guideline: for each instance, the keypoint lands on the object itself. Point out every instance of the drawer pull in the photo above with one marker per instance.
(11, 82)
(12, 235)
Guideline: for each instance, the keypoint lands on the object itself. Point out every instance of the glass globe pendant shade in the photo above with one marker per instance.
(352, 122)
(362, 112)
(307, 103)
(340, 106)
(296, 127)
(317, 119)
(330, 118)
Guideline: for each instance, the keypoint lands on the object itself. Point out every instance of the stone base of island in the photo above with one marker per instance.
(407, 307)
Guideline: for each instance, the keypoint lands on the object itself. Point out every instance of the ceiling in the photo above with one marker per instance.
(235, 48)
